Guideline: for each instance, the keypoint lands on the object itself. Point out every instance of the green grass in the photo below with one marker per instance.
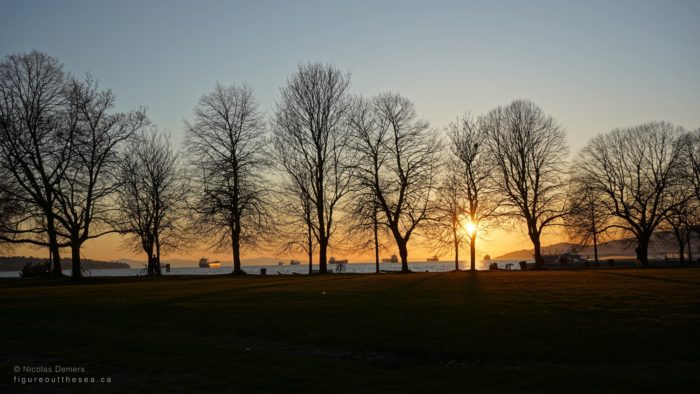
(591, 331)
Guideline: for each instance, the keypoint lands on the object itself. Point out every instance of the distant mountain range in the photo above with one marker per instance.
(660, 245)
(16, 263)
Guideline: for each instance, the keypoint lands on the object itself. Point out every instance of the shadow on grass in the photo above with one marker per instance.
(637, 276)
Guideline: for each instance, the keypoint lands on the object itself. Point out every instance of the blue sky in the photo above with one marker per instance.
(593, 65)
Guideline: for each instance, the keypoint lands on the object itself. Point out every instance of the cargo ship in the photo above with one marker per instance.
(204, 263)
(393, 259)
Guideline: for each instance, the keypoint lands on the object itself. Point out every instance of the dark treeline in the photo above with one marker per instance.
(328, 170)
(17, 263)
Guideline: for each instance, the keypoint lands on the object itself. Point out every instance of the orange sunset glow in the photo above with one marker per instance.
(333, 196)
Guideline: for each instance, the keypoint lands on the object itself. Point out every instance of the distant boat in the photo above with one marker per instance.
(393, 259)
(433, 259)
(294, 262)
(280, 263)
(204, 263)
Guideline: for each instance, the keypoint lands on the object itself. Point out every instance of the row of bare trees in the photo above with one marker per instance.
(639, 180)
(509, 165)
(628, 182)
(59, 148)
(330, 170)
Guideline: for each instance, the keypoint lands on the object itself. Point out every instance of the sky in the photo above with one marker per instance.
(593, 65)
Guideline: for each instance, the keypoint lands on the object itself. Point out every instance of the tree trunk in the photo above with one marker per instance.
(157, 262)
(76, 269)
(310, 244)
(455, 238)
(456, 253)
(311, 263)
(595, 249)
(539, 260)
(472, 252)
(56, 258)
(148, 248)
(236, 247)
(376, 244)
(151, 264)
(53, 246)
(323, 247)
(321, 217)
(643, 251)
(403, 252)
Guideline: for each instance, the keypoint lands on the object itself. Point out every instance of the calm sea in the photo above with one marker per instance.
(358, 268)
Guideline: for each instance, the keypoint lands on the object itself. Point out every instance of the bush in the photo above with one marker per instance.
(35, 270)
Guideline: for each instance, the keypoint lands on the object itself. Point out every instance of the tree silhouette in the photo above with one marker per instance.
(397, 161)
(13, 212)
(36, 144)
(228, 161)
(587, 221)
(150, 197)
(638, 173)
(529, 151)
(474, 183)
(364, 207)
(690, 148)
(309, 125)
(447, 232)
(84, 192)
(295, 226)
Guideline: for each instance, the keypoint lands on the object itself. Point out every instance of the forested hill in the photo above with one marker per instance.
(15, 263)
(661, 244)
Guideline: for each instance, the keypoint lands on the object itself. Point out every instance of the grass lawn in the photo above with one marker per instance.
(613, 330)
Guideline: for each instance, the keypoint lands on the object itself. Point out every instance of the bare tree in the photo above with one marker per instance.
(364, 208)
(397, 160)
(587, 221)
(227, 158)
(473, 171)
(150, 197)
(681, 219)
(309, 125)
(296, 223)
(12, 210)
(691, 154)
(638, 172)
(447, 230)
(36, 144)
(83, 203)
(363, 229)
(529, 151)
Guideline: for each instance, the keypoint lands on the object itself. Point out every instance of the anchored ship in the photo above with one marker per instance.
(393, 259)
(204, 263)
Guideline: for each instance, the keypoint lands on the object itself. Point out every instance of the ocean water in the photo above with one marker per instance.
(356, 268)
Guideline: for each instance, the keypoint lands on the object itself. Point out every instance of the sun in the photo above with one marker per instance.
(469, 226)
